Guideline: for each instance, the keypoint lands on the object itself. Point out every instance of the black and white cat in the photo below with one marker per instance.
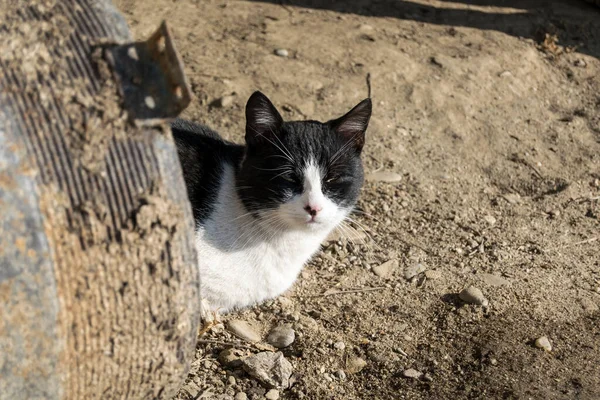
(263, 209)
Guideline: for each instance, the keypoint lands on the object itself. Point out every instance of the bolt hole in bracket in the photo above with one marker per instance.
(151, 78)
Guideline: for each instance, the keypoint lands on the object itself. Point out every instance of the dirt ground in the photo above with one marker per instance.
(488, 114)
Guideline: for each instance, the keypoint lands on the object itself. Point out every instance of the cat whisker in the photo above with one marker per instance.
(281, 174)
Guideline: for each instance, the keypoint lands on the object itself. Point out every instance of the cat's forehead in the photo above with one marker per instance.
(309, 140)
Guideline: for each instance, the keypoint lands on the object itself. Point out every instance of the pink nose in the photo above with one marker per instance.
(312, 210)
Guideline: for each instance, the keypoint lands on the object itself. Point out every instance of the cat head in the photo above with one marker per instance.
(302, 175)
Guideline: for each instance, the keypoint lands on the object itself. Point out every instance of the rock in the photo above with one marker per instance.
(192, 389)
(384, 176)
(433, 274)
(224, 101)
(580, 63)
(272, 370)
(490, 219)
(355, 365)
(339, 346)
(543, 343)
(473, 295)
(505, 74)
(340, 374)
(272, 394)
(384, 270)
(281, 336)
(512, 198)
(412, 373)
(281, 52)
(494, 280)
(413, 270)
(243, 330)
(285, 302)
(240, 396)
(231, 357)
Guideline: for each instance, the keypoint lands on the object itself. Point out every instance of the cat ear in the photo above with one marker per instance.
(353, 125)
(262, 118)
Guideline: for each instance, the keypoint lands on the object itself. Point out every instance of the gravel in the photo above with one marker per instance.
(473, 295)
(413, 270)
(543, 343)
(281, 336)
(231, 357)
(272, 370)
(243, 330)
(339, 346)
(412, 373)
(386, 269)
(355, 365)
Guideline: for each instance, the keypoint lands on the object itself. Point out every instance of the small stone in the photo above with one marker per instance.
(192, 389)
(384, 270)
(224, 101)
(339, 346)
(412, 373)
(433, 274)
(543, 343)
(413, 270)
(243, 330)
(231, 380)
(240, 396)
(272, 394)
(281, 336)
(285, 302)
(150, 103)
(231, 357)
(580, 63)
(473, 295)
(355, 365)
(512, 198)
(272, 370)
(505, 74)
(490, 219)
(340, 374)
(132, 53)
(384, 176)
(281, 52)
(494, 280)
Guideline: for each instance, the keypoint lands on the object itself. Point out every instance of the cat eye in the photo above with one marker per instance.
(289, 178)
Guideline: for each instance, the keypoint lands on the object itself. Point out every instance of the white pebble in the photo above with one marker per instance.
(543, 343)
(281, 52)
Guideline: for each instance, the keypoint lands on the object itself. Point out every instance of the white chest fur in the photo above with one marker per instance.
(242, 261)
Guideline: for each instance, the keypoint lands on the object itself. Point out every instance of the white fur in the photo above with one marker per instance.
(244, 261)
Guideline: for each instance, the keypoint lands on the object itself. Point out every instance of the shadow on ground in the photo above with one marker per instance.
(575, 22)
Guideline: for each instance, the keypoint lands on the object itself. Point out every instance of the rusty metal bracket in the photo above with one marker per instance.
(151, 78)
